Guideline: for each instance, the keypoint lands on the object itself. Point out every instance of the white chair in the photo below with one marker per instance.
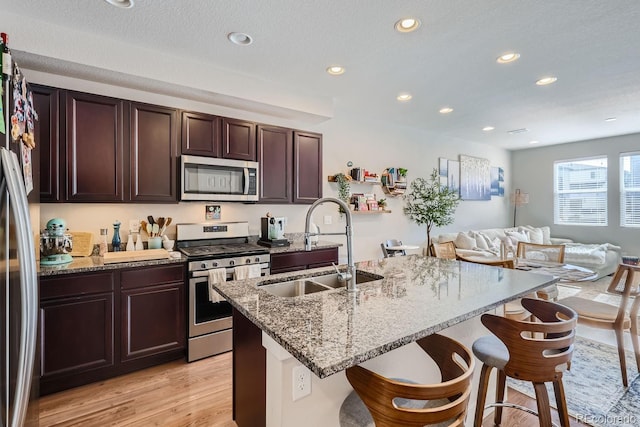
(391, 252)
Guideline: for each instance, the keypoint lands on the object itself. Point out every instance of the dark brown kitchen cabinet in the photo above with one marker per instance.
(46, 101)
(275, 156)
(153, 151)
(153, 313)
(200, 134)
(303, 260)
(290, 165)
(238, 139)
(77, 330)
(307, 164)
(95, 326)
(94, 148)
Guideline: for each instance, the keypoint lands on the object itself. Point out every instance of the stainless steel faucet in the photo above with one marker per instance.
(350, 276)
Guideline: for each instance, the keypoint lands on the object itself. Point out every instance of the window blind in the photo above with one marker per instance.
(580, 192)
(630, 190)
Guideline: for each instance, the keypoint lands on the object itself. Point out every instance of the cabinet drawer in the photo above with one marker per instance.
(303, 259)
(141, 277)
(76, 285)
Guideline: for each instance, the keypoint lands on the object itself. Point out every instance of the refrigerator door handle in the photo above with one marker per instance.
(28, 284)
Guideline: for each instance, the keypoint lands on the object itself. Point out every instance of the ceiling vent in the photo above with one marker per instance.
(516, 131)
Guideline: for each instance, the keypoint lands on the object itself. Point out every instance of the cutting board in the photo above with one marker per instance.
(129, 256)
(82, 243)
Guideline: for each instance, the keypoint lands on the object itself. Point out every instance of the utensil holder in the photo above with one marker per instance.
(155, 242)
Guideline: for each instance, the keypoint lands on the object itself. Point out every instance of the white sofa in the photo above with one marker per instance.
(601, 258)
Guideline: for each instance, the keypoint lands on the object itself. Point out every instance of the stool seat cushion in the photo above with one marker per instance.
(549, 293)
(354, 413)
(491, 351)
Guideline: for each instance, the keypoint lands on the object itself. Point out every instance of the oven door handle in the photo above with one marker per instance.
(205, 273)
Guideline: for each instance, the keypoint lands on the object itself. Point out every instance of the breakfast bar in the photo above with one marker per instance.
(376, 326)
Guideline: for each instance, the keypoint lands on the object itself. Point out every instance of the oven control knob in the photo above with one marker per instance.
(232, 263)
(203, 266)
(248, 261)
(214, 264)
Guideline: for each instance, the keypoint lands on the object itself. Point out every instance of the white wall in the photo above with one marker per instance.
(372, 144)
(533, 173)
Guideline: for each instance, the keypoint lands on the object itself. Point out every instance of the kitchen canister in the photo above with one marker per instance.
(155, 242)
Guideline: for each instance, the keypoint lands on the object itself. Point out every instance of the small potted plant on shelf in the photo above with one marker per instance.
(344, 188)
(382, 204)
(402, 174)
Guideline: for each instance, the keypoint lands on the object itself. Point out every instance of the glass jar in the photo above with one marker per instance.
(103, 246)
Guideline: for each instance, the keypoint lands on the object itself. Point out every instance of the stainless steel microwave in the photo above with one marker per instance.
(213, 179)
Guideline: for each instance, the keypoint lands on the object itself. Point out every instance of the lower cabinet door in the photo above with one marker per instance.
(153, 321)
(77, 340)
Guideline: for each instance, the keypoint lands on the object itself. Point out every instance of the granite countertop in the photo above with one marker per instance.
(95, 263)
(332, 330)
(298, 245)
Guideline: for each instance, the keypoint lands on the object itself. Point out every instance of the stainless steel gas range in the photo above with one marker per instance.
(214, 246)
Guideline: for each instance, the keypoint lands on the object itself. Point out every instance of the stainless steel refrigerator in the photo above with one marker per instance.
(18, 294)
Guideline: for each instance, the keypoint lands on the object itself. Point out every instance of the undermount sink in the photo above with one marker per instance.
(310, 285)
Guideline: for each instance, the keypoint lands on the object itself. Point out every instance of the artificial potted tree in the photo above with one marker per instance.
(431, 204)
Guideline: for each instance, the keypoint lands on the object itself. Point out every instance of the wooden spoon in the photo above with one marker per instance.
(160, 222)
(164, 227)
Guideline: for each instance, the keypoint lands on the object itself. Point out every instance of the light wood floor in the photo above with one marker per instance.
(173, 394)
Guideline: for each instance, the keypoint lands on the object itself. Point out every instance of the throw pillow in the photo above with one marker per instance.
(517, 236)
(464, 241)
(535, 234)
(481, 242)
(546, 235)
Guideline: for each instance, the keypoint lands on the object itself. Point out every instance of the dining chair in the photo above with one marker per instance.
(386, 252)
(540, 252)
(607, 316)
(391, 402)
(445, 250)
(529, 351)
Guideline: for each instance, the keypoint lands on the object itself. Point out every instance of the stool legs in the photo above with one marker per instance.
(623, 359)
(485, 372)
(500, 389)
(561, 403)
(542, 399)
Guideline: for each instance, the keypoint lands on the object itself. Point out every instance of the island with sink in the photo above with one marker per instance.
(287, 323)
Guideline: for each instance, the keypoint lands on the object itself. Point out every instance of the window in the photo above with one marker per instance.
(630, 190)
(580, 191)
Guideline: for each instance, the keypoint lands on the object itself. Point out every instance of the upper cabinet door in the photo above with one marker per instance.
(307, 163)
(153, 150)
(275, 155)
(238, 139)
(46, 102)
(200, 134)
(94, 145)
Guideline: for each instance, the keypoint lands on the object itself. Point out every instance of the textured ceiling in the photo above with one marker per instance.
(592, 46)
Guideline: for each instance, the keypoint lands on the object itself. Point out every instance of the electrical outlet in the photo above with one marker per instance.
(327, 219)
(301, 382)
(134, 225)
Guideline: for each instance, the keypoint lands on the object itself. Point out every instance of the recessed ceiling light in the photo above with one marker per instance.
(508, 57)
(407, 25)
(241, 39)
(404, 97)
(335, 70)
(488, 128)
(533, 142)
(610, 119)
(124, 4)
(446, 110)
(546, 81)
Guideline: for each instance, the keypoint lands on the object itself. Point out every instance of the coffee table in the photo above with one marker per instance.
(564, 272)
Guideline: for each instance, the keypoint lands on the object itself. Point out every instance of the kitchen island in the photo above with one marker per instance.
(332, 330)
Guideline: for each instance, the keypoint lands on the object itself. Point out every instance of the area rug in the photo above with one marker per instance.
(593, 386)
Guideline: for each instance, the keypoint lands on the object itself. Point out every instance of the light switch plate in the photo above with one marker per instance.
(134, 225)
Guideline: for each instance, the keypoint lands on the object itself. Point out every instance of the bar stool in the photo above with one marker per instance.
(531, 351)
(397, 402)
